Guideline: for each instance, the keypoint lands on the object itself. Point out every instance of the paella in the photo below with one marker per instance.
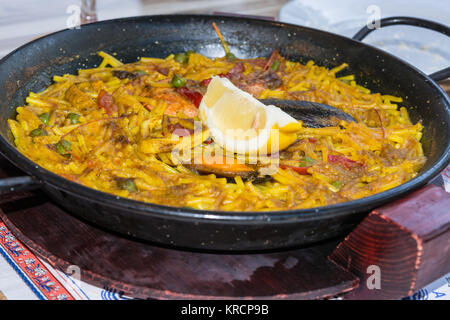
(116, 127)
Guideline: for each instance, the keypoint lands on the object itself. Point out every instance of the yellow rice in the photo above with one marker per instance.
(383, 141)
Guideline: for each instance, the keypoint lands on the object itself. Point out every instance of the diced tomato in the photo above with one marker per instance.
(312, 140)
(299, 170)
(193, 96)
(206, 82)
(346, 162)
(105, 100)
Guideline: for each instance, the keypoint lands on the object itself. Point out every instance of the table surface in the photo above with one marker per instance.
(22, 21)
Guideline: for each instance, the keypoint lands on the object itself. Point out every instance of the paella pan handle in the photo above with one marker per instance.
(23, 183)
(436, 76)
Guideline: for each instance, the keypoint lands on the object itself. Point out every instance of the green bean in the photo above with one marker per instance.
(337, 184)
(307, 161)
(141, 72)
(66, 144)
(126, 184)
(63, 147)
(45, 117)
(38, 132)
(73, 117)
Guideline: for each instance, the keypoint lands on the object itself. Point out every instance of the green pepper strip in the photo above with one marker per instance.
(45, 117)
(275, 65)
(73, 117)
(126, 184)
(38, 132)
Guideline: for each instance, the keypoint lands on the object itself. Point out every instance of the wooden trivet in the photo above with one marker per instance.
(406, 244)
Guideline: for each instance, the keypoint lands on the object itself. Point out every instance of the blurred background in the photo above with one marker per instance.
(24, 20)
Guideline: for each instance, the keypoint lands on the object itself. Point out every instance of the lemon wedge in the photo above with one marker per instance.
(241, 124)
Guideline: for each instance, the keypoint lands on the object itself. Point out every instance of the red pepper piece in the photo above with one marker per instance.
(193, 96)
(237, 68)
(299, 170)
(206, 81)
(105, 100)
(346, 162)
(261, 62)
(272, 57)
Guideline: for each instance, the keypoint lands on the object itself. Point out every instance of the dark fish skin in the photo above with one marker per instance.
(122, 74)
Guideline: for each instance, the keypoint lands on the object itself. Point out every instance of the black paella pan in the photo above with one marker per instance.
(31, 67)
